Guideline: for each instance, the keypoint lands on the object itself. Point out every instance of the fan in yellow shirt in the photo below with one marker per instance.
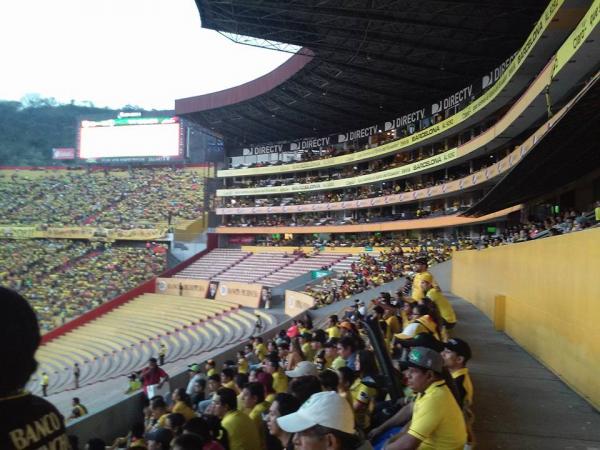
(241, 430)
(437, 421)
(444, 306)
(253, 399)
(421, 275)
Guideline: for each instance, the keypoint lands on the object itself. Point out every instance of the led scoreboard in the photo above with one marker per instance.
(131, 138)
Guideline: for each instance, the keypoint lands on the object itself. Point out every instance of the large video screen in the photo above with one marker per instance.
(130, 138)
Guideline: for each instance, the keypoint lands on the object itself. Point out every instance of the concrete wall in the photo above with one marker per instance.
(117, 419)
(551, 303)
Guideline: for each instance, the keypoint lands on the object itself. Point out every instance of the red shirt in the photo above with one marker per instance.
(152, 376)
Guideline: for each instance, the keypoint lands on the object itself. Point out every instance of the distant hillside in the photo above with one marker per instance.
(29, 131)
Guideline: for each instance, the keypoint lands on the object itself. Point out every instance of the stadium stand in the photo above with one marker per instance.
(375, 354)
(64, 278)
(212, 264)
(121, 342)
(115, 198)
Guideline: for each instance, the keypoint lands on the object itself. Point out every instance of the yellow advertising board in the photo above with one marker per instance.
(188, 287)
(242, 293)
(576, 39)
(297, 302)
(17, 232)
(90, 233)
(386, 149)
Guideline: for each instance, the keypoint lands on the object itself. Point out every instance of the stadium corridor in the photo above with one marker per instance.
(519, 404)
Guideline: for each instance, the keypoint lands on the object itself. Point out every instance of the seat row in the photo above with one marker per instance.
(121, 341)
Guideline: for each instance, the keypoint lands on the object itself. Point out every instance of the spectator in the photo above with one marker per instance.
(134, 384)
(133, 440)
(280, 381)
(445, 308)
(195, 375)
(45, 382)
(329, 380)
(159, 439)
(158, 414)
(332, 327)
(211, 367)
(456, 354)
(241, 431)
(198, 394)
(347, 349)
(153, 376)
(20, 410)
(188, 442)
(295, 356)
(325, 421)
(242, 363)
(363, 390)
(209, 428)
(182, 404)
(303, 387)
(437, 421)
(175, 423)
(213, 385)
(228, 380)
(253, 399)
(421, 275)
(78, 409)
(283, 405)
(76, 375)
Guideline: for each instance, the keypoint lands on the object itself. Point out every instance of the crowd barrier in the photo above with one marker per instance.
(396, 225)
(543, 294)
(341, 250)
(245, 294)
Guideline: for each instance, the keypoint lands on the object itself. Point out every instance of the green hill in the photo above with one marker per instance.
(29, 130)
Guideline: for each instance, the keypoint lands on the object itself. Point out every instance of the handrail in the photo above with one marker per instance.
(397, 225)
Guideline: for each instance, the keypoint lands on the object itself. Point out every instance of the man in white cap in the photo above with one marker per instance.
(324, 422)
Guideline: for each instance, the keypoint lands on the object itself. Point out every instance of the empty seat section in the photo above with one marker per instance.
(212, 264)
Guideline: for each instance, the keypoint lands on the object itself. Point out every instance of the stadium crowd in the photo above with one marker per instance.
(368, 191)
(314, 387)
(372, 215)
(66, 278)
(116, 198)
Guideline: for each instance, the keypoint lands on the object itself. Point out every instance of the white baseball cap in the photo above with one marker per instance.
(303, 369)
(327, 409)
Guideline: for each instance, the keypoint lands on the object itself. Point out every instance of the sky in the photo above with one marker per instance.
(117, 52)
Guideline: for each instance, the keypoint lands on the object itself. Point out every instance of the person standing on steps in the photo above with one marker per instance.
(162, 352)
(45, 381)
(76, 375)
(259, 324)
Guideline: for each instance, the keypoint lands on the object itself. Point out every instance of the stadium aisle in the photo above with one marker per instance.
(518, 402)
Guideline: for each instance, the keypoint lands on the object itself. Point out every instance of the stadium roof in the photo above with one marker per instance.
(360, 62)
(568, 153)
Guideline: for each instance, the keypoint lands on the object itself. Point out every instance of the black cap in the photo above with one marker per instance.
(161, 435)
(423, 340)
(423, 261)
(460, 347)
